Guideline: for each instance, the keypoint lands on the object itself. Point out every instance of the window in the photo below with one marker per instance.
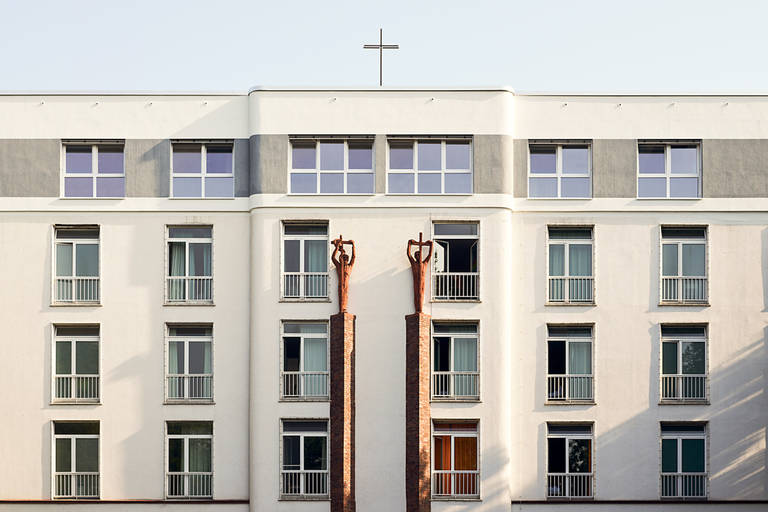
(202, 170)
(454, 261)
(569, 363)
(430, 166)
(684, 265)
(570, 266)
(190, 264)
(190, 369)
(305, 261)
(190, 455)
(304, 458)
(560, 171)
(569, 461)
(305, 360)
(335, 166)
(76, 459)
(455, 459)
(683, 362)
(454, 362)
(94, 170)
(683, 460)
(76, 364)
(76, 277)
(668, 170)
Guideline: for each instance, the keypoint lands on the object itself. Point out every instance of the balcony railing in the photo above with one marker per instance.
(305, 385)
(683, 485)
(305, 285)
(190, 485)
(569, 485)
(76, 485)
(683, 387)
(455, 286)
(304, 483)
(456, 385)
(569, 387)
(83, 388)
(572, 290)
(77, 289)
(684, 290)
(455, 484)
(190, 289)
(190, 387)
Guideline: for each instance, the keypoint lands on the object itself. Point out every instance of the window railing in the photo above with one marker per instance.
(304, 482)
(456, 385)
(683, 485)
(457, 484)
(305, 384)
(684, 289)
(190, 485)
(76, 485)
(77, 289)
(683, 387)
(455, 286)
(77, 388)
(190, 289)
(569, 387)
(570, 290)
(305, 285)
(569, 485)
(190, 387)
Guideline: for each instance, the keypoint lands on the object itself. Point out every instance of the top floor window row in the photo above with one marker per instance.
(332, 166)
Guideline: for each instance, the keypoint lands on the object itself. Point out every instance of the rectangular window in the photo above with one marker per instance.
(683, 362)
(76, 364)
(455, 374)
(684, 460)
(189, 373)
(76, 264)
(76, 460)
(569, 363)
(560, 171)
(189, 446)
(305, 360)
(430, 166)
(668, 170)
(305, 261)
(684, 265)
(304, 458)
(190, 264)
(455, 459)
(333, 166)
(570, 278)
(455, 275)
(202, 170)
(569, 460)
(94, 170)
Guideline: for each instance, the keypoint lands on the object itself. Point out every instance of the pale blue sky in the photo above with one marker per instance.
(587, 45)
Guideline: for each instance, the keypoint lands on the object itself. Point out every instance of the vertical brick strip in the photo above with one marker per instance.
(417, 413)
(342, 446)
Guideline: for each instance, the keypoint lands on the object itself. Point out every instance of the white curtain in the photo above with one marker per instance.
(580, 260)
(556, 260)
(63, 260)
(200, 455)
(669, 260)
(87, 260)
(315, 355)
(315, 259)
(580, 358)
(465, 354)
(693, 260)
(200, 259)
(176, 267)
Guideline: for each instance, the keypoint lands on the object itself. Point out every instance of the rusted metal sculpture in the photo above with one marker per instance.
(343, 263)
(419, 269)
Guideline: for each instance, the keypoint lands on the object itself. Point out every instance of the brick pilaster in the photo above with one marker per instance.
(417, 413)
(342, 445)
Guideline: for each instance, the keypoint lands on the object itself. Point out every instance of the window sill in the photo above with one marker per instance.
(304, 299)
(452, 400)
(304, 498)
(96, 198)
(335, 194)
(455, 498)
(684, 401)
(570, 304)
(559, 198)
(685, 304)
(166, 303)
(76, 401)
(76, 304)
(304, 399)
(669, 198)
(570, 402)
(460, 301)
(203, 198)
(432, 194)
(188, 402)
(556, 499)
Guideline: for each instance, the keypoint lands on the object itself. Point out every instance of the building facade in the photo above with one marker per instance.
(596, 295)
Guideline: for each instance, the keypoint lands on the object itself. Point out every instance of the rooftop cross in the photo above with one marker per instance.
(381, 47)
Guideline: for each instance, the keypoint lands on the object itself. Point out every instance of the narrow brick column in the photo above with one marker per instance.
(342, 446)
(417, 413)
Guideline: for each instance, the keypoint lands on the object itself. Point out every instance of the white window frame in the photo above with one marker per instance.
(453, 435)
(678, 437)
(301, 238)
(186, 276)
(94, 174)
(344, 172)
(451, 372)
(415, 141)
(668, 168)
(326, 434)
(187, 399)
(186, 438)
(680, 376)
(436, 275)
(73, 454)
(302, 396)
(680, 242)
(589, 476)
(203, 174)
(75, 242)
(568, 376)
(558, 174)
(73, 354)
(566, 262)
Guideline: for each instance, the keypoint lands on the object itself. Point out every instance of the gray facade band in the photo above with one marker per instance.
(30, 167)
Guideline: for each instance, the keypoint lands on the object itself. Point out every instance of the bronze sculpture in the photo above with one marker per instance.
(343, 263)
(419, 269)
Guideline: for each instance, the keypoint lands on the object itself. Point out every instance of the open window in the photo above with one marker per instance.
(569, 460)
(455, 275)
(455, 457)
(684, 460)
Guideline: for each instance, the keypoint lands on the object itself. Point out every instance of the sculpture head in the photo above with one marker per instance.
(344, 258)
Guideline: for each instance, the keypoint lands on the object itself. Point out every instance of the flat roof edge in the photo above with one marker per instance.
(498, 88)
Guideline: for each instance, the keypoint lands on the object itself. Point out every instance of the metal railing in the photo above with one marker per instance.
(455, 483)
(683, 387)
(569, 485)
(456, 385)
(190, 387)
(305, 385)
(190, 289)
(76, 485)
(569, 387)
(77, 289)
(455, 286)
(683, 485)
(77, 387)
(305, 285)
(569, 290)
(684, 289)
(304, 482)
(190, 485)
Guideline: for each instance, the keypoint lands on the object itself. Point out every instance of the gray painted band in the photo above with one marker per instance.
(147, 167)
(269, 164)
(30, 167)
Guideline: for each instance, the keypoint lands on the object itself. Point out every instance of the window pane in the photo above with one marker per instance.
(454, 328)
(315, 453)
(305, 426)
(63, 260)
(332, 155)
(190, 427)
(442, 453)
(651, 159)
(457, 155)
(303, 155)
(63, 358)
(693, 357)
(291, 256)
(315, 256)
(177, 259)
(63, 455)
(455, 228)
(291, 353)
(669, 455)
(400, 183)
(556, 455)
(78, 427)
(87, 358)
(315, 355)
(542, 187)
(190, 232)
(87, 455)
(200, 455)
(458, 183)
(693, 455)
(429, 183)
(87, 260)
(556, 260)
(305, 328)
(580, 358)
(401, 155)
(684, 160)
(219, 187)
(187, 187)
(575, 159)
(669, 358)
(556, 357)
(218, 159)
(465, 453)
(79, 159)
(176, 357)
(291, 453)
(305, 229)
(200, 259)
(571, 331)
(78, 187)
(331, 183)
(176, 455)
(110, 187)
(579, 455)
(683, 232)
(465, 354)
(189, 330)
(360, 155)
(360, 183)
(693, 260)
(199, 357)
(187, 158)
(110, 160)
(668, 331)
(651, 187)
(575, 187)
(430, 158)
(442, 354)
(303, 183)
(574, 233)
(580, 260)
(543, 159)
(683, 187)
(669, 260)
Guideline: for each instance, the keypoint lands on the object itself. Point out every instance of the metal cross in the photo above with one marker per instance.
(381, 47)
